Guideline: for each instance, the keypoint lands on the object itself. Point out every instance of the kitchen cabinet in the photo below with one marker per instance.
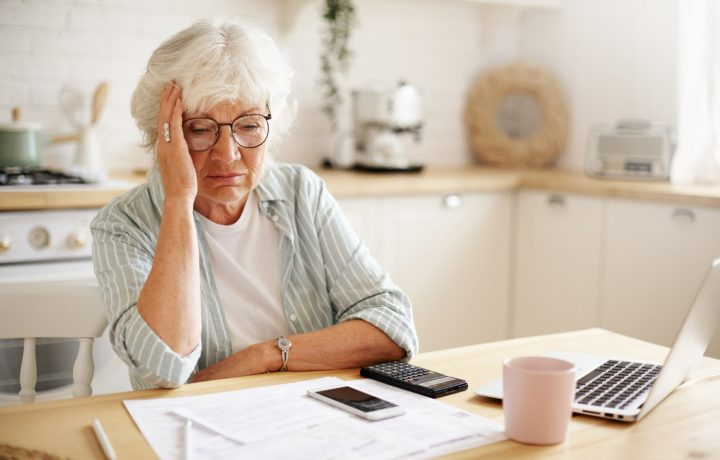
(631, 266)
(558, 250)
(450, 254)
(364, 216)
(656, 259)
(570, 261)
(575, 253)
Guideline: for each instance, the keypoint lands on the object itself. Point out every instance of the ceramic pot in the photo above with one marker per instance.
(20, 144)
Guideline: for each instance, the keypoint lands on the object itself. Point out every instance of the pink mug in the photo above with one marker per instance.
(537, 398)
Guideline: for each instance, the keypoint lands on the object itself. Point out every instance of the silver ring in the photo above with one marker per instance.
(166, 131)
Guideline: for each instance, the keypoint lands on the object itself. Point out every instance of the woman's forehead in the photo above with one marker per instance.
(229, 108)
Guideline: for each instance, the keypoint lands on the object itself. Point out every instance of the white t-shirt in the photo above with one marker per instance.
(245, 258)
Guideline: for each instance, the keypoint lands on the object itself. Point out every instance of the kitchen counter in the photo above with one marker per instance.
(431, 180)
(479, 179)
(573, 182)
(80, 196)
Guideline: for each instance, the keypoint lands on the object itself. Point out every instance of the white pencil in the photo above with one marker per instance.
(188, 445)
(104, 441)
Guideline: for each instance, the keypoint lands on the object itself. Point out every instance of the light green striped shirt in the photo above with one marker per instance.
(328, 274)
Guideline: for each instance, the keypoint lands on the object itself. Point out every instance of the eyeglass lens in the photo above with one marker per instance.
(248, 131)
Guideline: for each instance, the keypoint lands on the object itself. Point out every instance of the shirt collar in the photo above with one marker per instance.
(272, 188)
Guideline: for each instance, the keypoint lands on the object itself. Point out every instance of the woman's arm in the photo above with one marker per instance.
(353, 343)
(124, 242)
(170, 299)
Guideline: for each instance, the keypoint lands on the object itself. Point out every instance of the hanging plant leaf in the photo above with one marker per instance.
(339, 17)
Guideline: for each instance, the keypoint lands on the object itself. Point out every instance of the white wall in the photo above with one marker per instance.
(46, 44)
(433, 44)
(615, 57)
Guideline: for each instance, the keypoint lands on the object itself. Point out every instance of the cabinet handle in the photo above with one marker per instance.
(452, 201)
(555, 200)
(683, 215)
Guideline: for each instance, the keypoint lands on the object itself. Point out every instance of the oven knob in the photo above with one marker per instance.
(39, 237)
(5, 242)
(77, 240)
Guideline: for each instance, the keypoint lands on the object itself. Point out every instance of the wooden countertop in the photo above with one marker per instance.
(479, 179)
(432, 180)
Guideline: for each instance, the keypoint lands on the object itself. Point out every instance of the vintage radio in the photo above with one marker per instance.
(629, 149)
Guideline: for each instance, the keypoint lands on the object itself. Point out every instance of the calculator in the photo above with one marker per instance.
(413, 378)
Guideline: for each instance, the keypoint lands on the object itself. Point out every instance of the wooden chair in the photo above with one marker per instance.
(29, 311)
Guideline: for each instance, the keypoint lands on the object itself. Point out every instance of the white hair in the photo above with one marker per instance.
(213, 61)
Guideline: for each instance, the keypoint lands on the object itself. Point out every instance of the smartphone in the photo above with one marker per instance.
(357, 402)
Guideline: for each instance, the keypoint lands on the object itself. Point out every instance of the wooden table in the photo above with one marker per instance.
(685, 425)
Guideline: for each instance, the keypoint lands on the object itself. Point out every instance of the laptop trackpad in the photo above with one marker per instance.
(585, 363)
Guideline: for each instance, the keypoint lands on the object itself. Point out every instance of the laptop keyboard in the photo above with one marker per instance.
(616, 384)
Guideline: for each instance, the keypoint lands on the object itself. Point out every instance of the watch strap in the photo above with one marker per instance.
(284, 344)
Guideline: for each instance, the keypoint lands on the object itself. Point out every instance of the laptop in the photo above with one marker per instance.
(626, 390)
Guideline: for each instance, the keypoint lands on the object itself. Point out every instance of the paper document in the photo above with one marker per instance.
(282, 422)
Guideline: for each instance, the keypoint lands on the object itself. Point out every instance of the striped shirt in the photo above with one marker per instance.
(328, 275)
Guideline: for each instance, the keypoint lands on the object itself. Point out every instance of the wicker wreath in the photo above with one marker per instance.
(491, 144)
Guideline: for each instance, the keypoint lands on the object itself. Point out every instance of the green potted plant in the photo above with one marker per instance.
(339, 18)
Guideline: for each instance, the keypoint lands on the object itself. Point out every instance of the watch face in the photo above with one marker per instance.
(283, 343)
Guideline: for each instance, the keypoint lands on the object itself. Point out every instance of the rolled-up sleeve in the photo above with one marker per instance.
(122, 258)
(359, 287)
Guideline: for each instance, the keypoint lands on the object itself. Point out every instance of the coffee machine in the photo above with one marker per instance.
(387, 127)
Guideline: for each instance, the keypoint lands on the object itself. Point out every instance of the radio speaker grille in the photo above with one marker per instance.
(646, 146)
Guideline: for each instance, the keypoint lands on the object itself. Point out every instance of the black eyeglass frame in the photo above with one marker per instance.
(267, 118)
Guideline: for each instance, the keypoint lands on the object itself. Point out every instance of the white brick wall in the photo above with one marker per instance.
(439, 45)
(45, 45)
(431, 44)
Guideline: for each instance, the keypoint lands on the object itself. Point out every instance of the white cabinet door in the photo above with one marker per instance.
(657, 256)
(450, 254)
(557, 262)
(364, 216)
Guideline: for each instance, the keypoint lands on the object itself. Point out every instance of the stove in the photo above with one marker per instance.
(40, 243)
(45, 236)
(52, 246)
(17, 175)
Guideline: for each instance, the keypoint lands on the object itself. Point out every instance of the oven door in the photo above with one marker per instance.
(55, 357)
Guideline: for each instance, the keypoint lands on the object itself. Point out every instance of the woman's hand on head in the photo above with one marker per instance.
(173, 157)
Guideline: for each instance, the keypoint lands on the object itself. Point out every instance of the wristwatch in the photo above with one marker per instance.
(284, 344)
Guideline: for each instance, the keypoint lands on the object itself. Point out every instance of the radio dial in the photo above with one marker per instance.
(5, 242)
(77, 240)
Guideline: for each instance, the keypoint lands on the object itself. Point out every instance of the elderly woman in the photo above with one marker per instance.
(224, 263)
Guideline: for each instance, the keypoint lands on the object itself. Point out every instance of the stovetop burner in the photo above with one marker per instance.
(17, 175)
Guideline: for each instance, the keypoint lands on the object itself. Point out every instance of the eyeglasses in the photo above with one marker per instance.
(248, 131)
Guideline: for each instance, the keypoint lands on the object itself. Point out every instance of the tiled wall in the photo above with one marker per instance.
(45, 45)
(439, 45)
(435, 45)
